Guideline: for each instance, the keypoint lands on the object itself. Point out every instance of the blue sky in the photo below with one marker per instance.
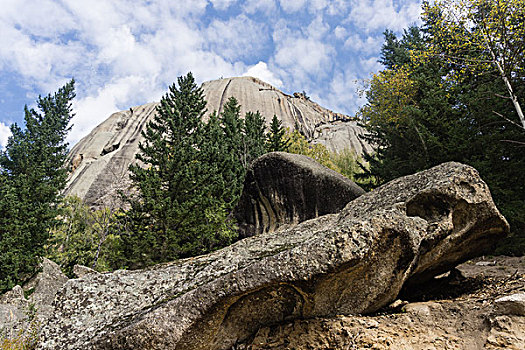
(124, 53)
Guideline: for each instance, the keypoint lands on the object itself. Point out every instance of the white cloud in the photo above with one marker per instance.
(317, 5)
(366, 45)
(341, 93)
(317, 29)
(338, 7)
(126, 52)
(92, 110)
(371, 15)
(302, 57)
(261, 71)
(121, 52)
(237, 38)
(340, 32)
(222, 5)
(292, 6)
(4, 134)
(265, 6)
(370, 65)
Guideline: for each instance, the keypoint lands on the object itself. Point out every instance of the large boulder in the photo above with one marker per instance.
(16, 310)
(352, 262)
(283, 188)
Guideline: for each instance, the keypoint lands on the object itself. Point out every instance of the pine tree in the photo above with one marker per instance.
(31, 177)
(232, 169)
(174, 215)
(254, 137)
(275, 139)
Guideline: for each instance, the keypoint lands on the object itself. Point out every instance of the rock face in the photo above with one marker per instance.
(15, 308)
(97, 174)
(339, 135)
(282, 188)
(453, 316)
(100, 160)
(352, 262)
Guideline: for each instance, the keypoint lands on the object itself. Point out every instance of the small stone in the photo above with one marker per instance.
(397, 304)
(511, 304)
(372, 324)
(420, 309)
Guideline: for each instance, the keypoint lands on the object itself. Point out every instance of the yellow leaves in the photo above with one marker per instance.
(24, 339)
(391, 91)
(491, 28)
(319, 152)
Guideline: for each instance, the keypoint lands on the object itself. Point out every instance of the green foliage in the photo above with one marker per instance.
(423, 110)
(481, 37)
(231, 167)
(31, 177)
(298, 144)
(254, 137)
(85, 237)
(345, 162)
(181, 209)
(396, 53)
(276, 140)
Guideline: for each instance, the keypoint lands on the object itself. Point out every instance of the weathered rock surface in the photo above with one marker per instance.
(461, 316)
(447, 326)
(286, 189)
(340, 135)
(98, 175)
(100, 160)
(15, 308)
(347, 263)
(81, 270)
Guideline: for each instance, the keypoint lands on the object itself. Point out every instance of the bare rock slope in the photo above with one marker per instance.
(353, 262)
(101, 159)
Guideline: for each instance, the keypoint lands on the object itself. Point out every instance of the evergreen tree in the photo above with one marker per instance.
(275, 139)
(254, 137)
(421, 112)
(233, 169)
(396, 53)
(31, 177)
(174, 215)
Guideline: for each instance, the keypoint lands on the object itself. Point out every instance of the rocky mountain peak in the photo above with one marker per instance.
(100, 160)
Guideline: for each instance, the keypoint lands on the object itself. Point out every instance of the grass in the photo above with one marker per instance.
(25, 339)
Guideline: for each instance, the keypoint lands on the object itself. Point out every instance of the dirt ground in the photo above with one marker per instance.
(455, 311)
